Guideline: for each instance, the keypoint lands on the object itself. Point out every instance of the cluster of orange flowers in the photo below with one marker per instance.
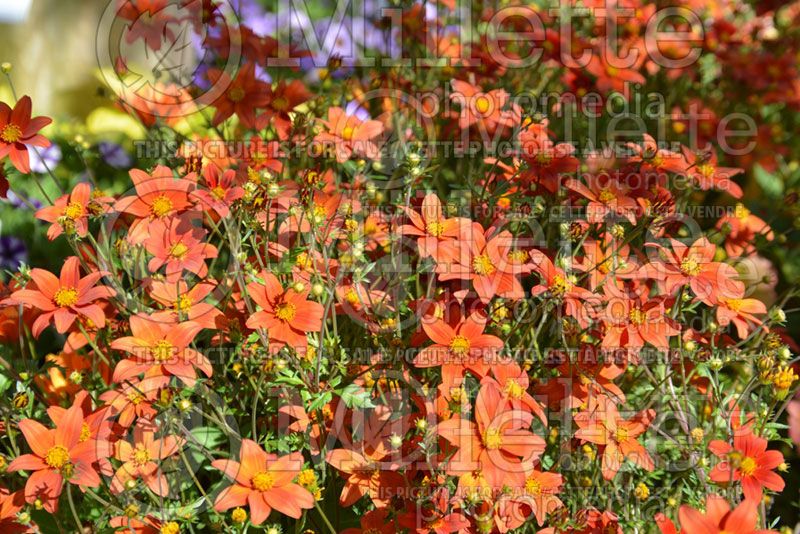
(458, 343)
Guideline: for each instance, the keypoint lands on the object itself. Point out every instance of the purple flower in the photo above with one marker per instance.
(114, 155)
(354, 109)
(22, 203)
(43, 159)
(13, 252)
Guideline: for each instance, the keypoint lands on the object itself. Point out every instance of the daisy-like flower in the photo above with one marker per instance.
(434, 232)
(263, 482)
(347, 135)
(178, 246)
(538, 495)
(70, 213)
(748, 461)
(18, 132)
(62, 300)
(159, 196)
(185, 303)
(286, 314)
(607, 197)
(741, 228)
(160, 348)
(134, 399)
(717, 519)
(705, 172)
(603, 425)
(498, 443)
(484, 109)
(142, 459)
(459, 348)
(58, 455)
(244, 95)
(285, 97)
(694, 266)
(222, 190)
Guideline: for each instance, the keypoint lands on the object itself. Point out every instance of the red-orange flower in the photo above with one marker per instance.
(435, 233)
(244, 95)
(159, 347)
(286, 314)
(604, 426)
(264, 482)
(717, 519)
(142, 459)
(64, 299)
(748, 461)
(70, 213)
(59, 454)
(178, 246)
(18, 131)
(347, 135)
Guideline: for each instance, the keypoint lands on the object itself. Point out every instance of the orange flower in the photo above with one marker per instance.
(70, 213)
(185, 303)
(740, 312)
(18, 132)
(264, 482)
(435, 233)
(158, 196)
(484, 109)
(59, 454)
(538, 495)
(631, 319)
(286, 314)
(142, 459)
(561, 286)
(134, 399)
(693, 265)
(160, 348)
(222, 190)
(487, 261)
(285, 97)
(366, 475)
(741, 228)
(748, 461)
(459, 348)
(717, 519)
(603, 426)
(244, 95)
(705, 172)
(348, 135)
(498, 444)
(64, 299)
(607, 197)
(178, 246)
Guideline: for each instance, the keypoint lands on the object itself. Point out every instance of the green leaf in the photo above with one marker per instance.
(771, 184)
(354, 396)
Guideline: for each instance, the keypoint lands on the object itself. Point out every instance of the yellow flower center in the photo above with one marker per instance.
(657, 160)
(140, 455)
(352, 296)
(162, 350)
(170, 528)
(161, 206)
(637, 316)
(66, 297)
(57, 457)
(621, 435)
(218, 192)
(518, 256)
(533, 487)
(612, 71)
(748, 466)
(706, 170)
(544, 158)
(459, 345)
(285, 311)
(741, 212)
(303, 261)
(86, 433)
(178, 250)
(559, 285)
(263, 481)
(183, 304)
(493, 438)
(513, 389)
(280, 104)
(347, 133)
(73, 211)
(733, 304)
(239, 515)
(482, 104)
(482, 265)
(11, 133)
(435, 228)
(606, 196)
(236, 95)
(135, 397)
(690, 266)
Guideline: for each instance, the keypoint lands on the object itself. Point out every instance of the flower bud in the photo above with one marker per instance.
(777, 315)
(5, 67)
